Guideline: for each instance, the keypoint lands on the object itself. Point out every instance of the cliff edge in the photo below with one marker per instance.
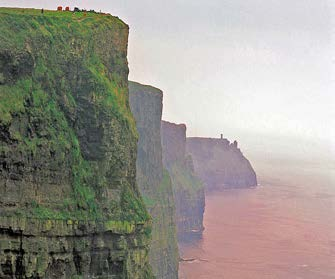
(154, 182)
(188, 190)
(69, 204)
(220, 164)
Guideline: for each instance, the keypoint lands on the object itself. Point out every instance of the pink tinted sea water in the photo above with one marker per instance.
(283, 229)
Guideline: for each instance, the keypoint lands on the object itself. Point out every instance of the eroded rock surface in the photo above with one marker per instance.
(153, 181)
(69, 204)
(187, 188)
(220, 164)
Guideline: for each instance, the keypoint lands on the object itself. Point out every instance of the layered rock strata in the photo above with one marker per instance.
(220, 164)
(69, 203)
(187, 188)
(153, 181)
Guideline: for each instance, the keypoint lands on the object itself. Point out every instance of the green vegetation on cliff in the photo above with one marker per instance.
(164, 233)
(160, 191)
(189, 199)
(154, 182)
(185, 179)
(188, 190)
(51, 64)
(69, 204)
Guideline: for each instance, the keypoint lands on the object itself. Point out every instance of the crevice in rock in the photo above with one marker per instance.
(77, 261)
(19, 266)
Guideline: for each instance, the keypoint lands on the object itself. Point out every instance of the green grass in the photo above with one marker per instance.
(185, 179)
(161, 192)
(60, 42)
(12, 99)
(149, 202)
(166, 181)
(51, 14)
(134, 205)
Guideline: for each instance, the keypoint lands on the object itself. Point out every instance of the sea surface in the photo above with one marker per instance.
(283, 229)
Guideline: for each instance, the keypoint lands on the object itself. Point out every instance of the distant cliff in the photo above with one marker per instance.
(187, 188)
(220, 164)
(154, 182)
(69, 204)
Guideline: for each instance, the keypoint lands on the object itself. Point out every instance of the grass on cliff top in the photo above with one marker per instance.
(22, 29)
(16, 25)
(59, 14)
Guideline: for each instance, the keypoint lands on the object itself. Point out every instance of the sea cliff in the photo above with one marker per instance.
(220, 164)
(69, 204)
(154, 182)
(187, 188)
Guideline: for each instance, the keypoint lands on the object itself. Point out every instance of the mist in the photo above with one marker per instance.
(259, 72)
(97, 184)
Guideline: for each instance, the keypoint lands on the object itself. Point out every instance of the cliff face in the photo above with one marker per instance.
(220, 164)
(153, 181)
(69, 204)
(187, 189)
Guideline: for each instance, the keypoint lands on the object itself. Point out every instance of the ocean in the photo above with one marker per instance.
(282, 229)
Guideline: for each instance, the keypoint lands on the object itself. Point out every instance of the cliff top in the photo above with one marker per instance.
(136, 86)
(205, 138)
(208, 139)
(174, 124)
(216, 141)
(84, 17)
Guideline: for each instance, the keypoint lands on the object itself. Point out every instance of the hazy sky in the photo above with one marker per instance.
(250, 69)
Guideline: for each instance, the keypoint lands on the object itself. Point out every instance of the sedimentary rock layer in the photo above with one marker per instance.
(220, 164)
(154, 182)
(69, 204)
(187, 188)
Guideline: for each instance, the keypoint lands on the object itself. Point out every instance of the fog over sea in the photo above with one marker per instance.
(282, 229)
(260, 72)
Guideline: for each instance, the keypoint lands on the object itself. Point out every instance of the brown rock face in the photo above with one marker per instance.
(220, 164)
(187, 188)
(174, 142)
(154, 182)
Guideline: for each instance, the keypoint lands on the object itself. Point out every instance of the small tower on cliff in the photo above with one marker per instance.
(221, 136)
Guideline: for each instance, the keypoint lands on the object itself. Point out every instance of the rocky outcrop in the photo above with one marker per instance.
(220, 164)
(154, 182)
(187, 189)
(69, 204)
